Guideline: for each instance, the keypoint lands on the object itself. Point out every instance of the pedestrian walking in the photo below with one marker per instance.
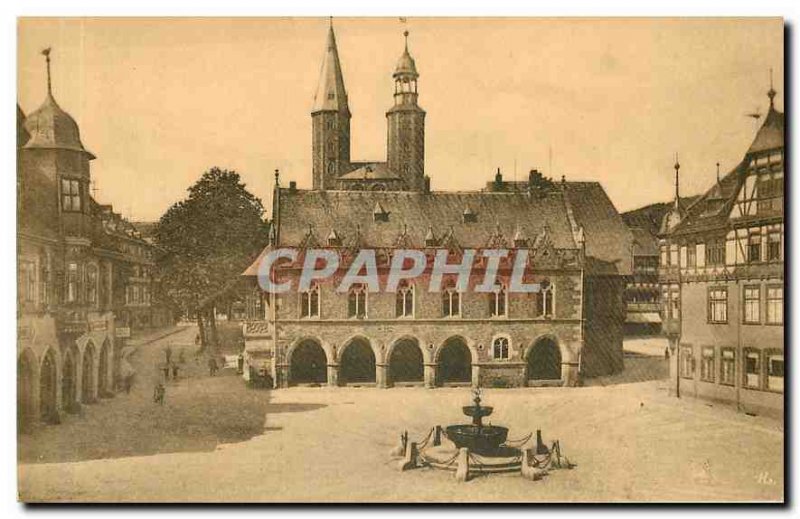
(174, 372)
(165, 369)
(159, 393)
(666, 353)
(168, 353)
(128, 383)
(212, 366)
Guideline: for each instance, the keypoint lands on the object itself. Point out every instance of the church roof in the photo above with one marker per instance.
(406, 66)
(50, 127)
(370, 171)
(331, 94)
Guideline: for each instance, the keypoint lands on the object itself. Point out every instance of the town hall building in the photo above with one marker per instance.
(579, 252)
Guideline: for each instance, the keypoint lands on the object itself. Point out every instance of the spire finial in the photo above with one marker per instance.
(717, 172)
(330, 22)
(677, 178)
(46, 53)
(277, 177)
(771, 92)
(405, 34)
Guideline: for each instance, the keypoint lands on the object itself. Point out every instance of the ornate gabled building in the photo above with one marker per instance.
(722, 278)
(83, 271)
(578, 252)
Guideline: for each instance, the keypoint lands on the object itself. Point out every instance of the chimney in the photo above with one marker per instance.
(498, 181)
(292, 186)
(532, 179)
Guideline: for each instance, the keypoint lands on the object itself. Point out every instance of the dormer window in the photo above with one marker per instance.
(334, 240)
(430, 238)
(469, 216)
(380, 214)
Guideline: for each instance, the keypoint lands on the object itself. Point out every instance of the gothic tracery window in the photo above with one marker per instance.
(451, 301)
(309, 302)
(357, 301)
(404, 301)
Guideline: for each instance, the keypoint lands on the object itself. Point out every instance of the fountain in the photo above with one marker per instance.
(478, 438)
(472, 449)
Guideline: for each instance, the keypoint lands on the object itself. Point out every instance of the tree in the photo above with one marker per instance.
(206, 241)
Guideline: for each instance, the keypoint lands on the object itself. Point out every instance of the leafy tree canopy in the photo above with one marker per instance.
(209, 238)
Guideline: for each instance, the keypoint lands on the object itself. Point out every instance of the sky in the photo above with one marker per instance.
(159, 101)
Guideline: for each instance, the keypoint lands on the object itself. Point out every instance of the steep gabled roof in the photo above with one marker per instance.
(650, 216)
(770, 135)
(608, 239)
(712, 210)
(348, 211)
(415, 215)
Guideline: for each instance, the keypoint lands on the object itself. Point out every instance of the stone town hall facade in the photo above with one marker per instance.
(579, 252)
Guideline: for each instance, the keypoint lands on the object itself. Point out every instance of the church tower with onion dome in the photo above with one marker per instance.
(405, 151)
(330, 118)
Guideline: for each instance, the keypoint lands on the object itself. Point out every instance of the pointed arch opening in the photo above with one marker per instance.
(26, 390)
(69, 381)
(357, 363)
(88, 375)
(308, 364)
(455, 362)
(544, 360)
(48, 388)
(406, 364)
(103, 382)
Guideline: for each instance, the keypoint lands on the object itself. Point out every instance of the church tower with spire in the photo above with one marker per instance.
(405, 151)
(330, 121)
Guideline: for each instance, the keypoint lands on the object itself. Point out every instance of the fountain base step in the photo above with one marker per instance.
(443, 458)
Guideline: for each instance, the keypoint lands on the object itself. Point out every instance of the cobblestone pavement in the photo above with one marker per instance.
(631, 442)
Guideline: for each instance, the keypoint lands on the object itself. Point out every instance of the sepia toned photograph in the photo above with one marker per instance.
(400, 260)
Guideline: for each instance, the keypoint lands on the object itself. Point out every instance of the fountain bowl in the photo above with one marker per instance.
(485, 439)
(477, 411)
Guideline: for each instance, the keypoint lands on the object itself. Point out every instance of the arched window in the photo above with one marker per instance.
(546, 300)
(500, 350)
(497, 301)
(404, 301)
(357, 302)
(309, 302)
(451, 301)
(331, 167)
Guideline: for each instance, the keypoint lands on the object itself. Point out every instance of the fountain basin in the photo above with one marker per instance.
(477, 411)
(485, 439)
